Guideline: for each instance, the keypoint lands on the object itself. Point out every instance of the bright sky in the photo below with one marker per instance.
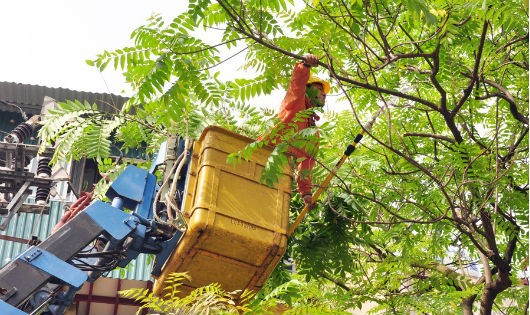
(47, 42)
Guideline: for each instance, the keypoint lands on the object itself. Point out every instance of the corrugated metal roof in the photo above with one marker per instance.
(30, 97)
(24, 225)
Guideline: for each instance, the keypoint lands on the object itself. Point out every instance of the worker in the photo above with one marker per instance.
(305, 91)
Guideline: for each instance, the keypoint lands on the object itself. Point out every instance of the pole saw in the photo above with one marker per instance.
(349, 150)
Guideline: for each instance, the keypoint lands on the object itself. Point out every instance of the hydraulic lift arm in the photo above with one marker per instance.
(63, 260)
(235, 228)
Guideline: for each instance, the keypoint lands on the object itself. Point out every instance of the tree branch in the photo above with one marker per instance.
(513, 148)
(474, 76)
(513, 41)
(353, 35)
(335, 281)
(428, 135)
(461, 281)
(434, 80)
(467, 304)
(449, 119)
(508, 97)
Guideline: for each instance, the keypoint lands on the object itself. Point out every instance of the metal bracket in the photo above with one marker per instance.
(6, 294)
(110, 219)
(15, 203)
(49, 263)
(129, 186)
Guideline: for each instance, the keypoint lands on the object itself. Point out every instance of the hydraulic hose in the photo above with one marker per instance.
(349, 150)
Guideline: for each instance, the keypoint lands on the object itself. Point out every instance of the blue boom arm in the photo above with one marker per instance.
(96, 241)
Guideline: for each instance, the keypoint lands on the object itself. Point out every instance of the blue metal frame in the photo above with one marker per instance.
(116, 222)
(129, 186)
(50, 264)
(135, 189)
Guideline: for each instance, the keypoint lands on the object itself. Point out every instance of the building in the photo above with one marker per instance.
(18, 102)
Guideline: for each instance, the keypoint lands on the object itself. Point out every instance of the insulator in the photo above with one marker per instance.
(43, 168)
(41, 197)
(20, 133)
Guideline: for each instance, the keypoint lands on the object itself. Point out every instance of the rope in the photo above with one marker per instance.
(170, 203)
(166, 181)
(349, 150)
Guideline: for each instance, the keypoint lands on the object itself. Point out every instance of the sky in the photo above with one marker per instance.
(47, 42)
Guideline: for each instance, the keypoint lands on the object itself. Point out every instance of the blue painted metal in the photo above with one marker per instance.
(24, 225)
(144, 208)
(49, 263)
(117, 202)
(7, 309)
(110, 219)
(27, 224)
(130, 186)
(64, 299)
(142, 218)
(167, 249)
(135, 190)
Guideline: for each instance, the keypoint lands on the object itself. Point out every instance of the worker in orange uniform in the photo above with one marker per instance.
(305, 91)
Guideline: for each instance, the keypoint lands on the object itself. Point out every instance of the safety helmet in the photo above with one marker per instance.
(325, 84)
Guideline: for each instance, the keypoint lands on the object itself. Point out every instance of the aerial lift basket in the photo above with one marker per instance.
(237, 227)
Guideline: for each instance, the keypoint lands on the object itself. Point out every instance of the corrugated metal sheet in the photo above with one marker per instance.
(30, 97)
(139, 269)
(24, 225)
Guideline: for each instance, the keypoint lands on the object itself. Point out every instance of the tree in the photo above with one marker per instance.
(213, 299)
(439, 186)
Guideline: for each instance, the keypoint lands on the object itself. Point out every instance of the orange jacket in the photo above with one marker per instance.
(294, 102)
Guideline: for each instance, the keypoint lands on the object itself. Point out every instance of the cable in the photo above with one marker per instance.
(169, 197)
(170, 202)
(157, 196)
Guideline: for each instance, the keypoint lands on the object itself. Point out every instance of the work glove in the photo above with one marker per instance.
(310, 60)
(308, 200)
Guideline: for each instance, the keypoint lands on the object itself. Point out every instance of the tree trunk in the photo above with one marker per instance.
(467, 305)
(492, 290)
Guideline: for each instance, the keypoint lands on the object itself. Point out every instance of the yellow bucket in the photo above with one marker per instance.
(237, 227)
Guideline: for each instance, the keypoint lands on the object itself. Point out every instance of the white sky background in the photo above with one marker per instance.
(47, 42)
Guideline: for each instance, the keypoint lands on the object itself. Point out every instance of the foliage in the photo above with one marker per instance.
(430, 214)
(211, 299)
(292, 297)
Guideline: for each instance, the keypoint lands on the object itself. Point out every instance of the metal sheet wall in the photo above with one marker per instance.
(24, 225)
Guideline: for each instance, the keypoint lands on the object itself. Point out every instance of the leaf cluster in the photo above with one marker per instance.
(444, 166)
